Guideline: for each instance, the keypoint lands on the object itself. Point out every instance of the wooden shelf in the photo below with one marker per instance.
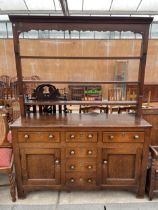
(80, 57)
(35, 102)
(82, 82)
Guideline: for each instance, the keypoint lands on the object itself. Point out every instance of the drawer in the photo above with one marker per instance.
(39, 136)
(81, 152)
(81, 179)
(82, 164)
(81, 136)
(123, 136)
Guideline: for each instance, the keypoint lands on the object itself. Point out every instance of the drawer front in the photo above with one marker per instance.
(82, 179)
(39, 136)
(82, 164)
(81, 137)
(80, 152)
(123, 136)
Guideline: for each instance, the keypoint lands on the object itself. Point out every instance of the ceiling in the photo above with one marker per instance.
(79, 7)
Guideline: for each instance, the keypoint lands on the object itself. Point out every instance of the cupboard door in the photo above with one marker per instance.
(40, 166)
(121, 166)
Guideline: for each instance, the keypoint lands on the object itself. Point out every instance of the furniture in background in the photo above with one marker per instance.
(150, 114)
(93, 108)
(6, 155)
(8, 88)
(85, 92)
(150, 92)
(114, 94)
(5, 79)
(152, 175)
(11, 108)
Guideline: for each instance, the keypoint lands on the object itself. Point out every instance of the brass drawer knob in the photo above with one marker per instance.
(72, 167)
(51, 136)
(90, 136)
(105, 162)
(89, 166)
(57, 162)
(72, 152)
(89, 152)
(136, 137)
(89, 180)
(72, 180)
(72, 136)
(111, 137)
(26, 136)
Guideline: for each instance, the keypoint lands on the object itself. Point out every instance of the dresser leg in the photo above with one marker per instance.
(21, 195)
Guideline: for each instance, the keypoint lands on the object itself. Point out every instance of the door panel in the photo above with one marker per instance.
(121, 166)
(40, 166)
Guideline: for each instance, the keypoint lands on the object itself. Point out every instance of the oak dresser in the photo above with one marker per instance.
(81, 152)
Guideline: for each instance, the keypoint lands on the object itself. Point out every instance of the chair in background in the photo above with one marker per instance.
(15, 109)
(5, 79)
(87, 109)
(2, 90)
(114, 94)
(6, 155)
(14, 87)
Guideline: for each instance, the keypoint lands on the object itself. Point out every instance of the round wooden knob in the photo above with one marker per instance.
(72, 180)
(89, 166)
(111, 137)
(26, 136)
(89, 180)
(136, 137)
(72, 152)
(72, 136)
(57, 162)
(89, 152)
(72, 167)
(51, 136)
(105, 161)
(90, 136)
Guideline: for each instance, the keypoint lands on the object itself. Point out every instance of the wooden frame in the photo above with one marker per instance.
(134, 24)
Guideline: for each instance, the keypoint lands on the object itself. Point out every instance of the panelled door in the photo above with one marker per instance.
(121, 166)
(40, 166)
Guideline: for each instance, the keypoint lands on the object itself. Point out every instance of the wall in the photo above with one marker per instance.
(78, 70)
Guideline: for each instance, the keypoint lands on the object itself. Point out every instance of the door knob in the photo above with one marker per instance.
(72, 180)
(111, 137)
(72, 136)
(26, 136)
(72, 152)
(57, 162)
(105, 161)
(89, 166)
(90, 136)
(72, 167)
(51, 136)
(89, 152)
(136, 137)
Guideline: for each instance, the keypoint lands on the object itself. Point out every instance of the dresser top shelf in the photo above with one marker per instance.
(92, 120)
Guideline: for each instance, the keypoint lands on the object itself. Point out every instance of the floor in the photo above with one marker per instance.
(89, 200)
